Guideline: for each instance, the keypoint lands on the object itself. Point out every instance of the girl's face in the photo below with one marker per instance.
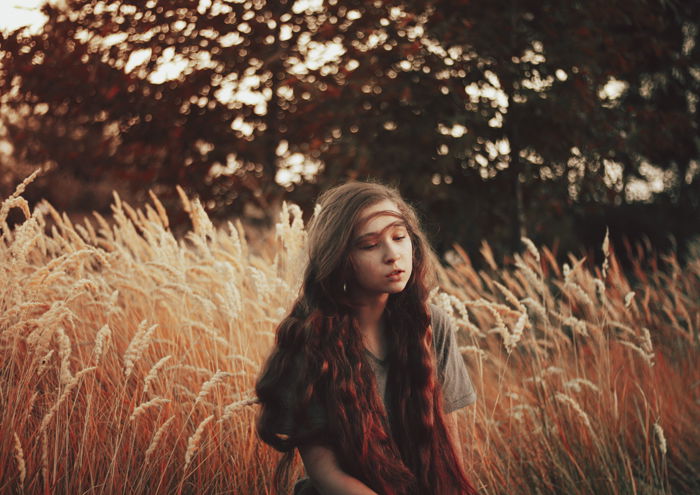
(381, 252)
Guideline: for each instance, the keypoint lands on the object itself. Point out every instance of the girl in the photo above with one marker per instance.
(364, 373)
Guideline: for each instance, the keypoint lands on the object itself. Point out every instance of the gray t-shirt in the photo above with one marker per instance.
(457, 388)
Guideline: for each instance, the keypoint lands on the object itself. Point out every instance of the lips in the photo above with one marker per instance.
(394, 274)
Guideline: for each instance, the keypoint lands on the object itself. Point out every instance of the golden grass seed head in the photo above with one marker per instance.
(5, 208)
(186, 205)
(532, 278)
(456, 310)
(19, 458)
(600, 288)
(606, 253)
(518, 411)
(201, 223)
(538, 309)
(487, 254)
(565, 399)
(514, 337)
(162, 214)
(64, 352)
(659, 431)
(606, 242)
(473, 350)
(647, 357)
(138, 344)
(156, 438)
(44, 362)
(194, 441)
(566, 270)
(218, 377)
(102, 340)
(231, 409)
(153, 373)
(66, 391)
(646, 343)
(442, 300)
(552, 370)
(143, 407)
(25, 237)
(575, 385)
(577, 325)
(183, 393)
(531, 248)
(510, 297)
(578, 292)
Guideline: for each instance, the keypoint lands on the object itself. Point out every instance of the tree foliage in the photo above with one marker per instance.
(95, 95)
(496, 116)
(500, 102)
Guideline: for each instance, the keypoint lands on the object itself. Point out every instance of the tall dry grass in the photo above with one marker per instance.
(128, 359)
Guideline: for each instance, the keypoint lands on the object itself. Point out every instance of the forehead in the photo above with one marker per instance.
(375, 217)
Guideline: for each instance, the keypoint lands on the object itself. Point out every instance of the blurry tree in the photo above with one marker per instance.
(659, 100)
(486, 110)
(496, 116)
(158, 92)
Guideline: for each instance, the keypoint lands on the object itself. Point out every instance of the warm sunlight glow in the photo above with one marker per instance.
(20, 13)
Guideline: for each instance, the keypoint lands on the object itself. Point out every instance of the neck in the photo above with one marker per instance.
(370, 311)
(368, 314)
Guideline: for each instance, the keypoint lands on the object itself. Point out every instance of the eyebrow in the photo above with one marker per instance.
(398, 223)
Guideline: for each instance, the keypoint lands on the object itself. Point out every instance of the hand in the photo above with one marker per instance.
(324, 471)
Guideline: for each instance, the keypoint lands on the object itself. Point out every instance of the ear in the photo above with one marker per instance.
(347, 271)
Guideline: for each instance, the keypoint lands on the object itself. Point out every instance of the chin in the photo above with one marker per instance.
(396, 290)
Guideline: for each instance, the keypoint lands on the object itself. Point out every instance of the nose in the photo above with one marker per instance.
(391, 254)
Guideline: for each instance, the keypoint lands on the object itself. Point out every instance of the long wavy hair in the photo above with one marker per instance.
(319, 358)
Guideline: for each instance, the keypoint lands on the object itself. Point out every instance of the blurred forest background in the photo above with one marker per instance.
(496, 118)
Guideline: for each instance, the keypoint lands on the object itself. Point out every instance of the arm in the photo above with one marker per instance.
(325, 473)
(453, 430)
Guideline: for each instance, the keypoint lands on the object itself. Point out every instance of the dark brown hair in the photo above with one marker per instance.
(319, 356)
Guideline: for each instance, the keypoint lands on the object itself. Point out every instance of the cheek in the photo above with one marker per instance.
(409, 250)
(410, 255)
(360, 264)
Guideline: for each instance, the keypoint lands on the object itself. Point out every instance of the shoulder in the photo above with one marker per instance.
(438, 316)
(440, 321)
(443, 331)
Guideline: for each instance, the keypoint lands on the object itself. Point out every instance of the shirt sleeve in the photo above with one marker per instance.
(457, 388)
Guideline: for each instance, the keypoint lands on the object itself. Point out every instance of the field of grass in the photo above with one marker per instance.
(128, 359)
